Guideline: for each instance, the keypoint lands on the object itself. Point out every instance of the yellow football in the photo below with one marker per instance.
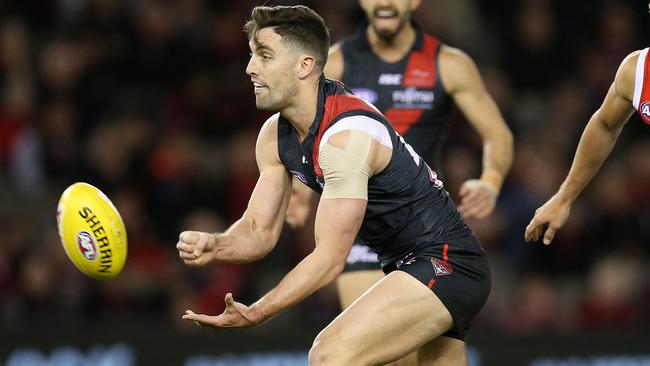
(91, 231)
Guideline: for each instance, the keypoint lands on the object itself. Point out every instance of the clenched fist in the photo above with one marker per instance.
(477, 199)
(196, 248)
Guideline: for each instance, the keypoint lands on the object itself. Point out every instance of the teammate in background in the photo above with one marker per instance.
(630, 91)
(372, 184)
(412, 78)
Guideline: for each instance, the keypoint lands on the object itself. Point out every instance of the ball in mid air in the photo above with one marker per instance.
(91, 231)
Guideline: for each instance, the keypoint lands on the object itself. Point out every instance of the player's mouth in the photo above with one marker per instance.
(258, 86)
(385, 13)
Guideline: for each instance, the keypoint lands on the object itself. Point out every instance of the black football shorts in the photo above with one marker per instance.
(458, 273)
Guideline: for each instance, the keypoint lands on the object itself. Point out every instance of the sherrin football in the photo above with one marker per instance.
(91, 231)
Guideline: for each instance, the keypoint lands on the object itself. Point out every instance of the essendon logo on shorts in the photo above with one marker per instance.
(442, 268)
(644, 111)
(87, 245)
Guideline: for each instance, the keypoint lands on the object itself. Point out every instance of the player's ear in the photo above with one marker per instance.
(415, 4)
(306, 66)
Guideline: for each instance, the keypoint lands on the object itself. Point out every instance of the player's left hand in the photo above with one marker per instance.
(236, 315)
(477, 199)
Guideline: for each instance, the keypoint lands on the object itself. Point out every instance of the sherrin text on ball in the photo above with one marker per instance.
(92, 231)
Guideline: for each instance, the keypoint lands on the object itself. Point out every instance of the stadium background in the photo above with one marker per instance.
(149, 101)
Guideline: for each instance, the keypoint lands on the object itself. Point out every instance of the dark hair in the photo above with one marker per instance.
(296, 24)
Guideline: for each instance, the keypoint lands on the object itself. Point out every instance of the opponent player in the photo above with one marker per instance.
(412, 78)
(629, 91)
(372, 184)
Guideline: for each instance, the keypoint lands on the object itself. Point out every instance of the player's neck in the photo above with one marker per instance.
(302, 112)
(395, 48)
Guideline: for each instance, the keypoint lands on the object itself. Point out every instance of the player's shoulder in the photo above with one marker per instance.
(335, 62)
(626, 74)
(336, 50)
(458, 71)
(455, 56)
(266, 149)
(269, 130)
(629, 63)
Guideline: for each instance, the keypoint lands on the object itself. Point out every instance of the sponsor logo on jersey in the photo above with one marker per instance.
(442, 268)
(413, 98)
(390, 79)
(644, 110)
(421, 74)
(87, 245)
(366, 94)
(301, 177)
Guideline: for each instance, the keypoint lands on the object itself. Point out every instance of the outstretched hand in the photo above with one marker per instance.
(196, 248)
(547, 221)
(477, 199)
(236, 315)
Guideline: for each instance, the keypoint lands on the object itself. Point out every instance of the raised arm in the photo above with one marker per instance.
(463, 82)
(256, 233)
(595, 145)
(347, 159)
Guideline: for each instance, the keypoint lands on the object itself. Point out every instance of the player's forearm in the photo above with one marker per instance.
(245, 241)
(315, 271)
(595, 146)
(497, 157)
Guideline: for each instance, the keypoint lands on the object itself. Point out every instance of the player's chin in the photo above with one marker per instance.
(262, 105)
(386, 33)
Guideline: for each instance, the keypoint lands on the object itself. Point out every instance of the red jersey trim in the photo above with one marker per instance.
(334, 106)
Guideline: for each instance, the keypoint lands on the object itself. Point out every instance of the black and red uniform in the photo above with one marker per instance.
(409, 93)
(410, 220)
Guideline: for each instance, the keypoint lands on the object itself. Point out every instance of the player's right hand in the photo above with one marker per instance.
(548, 220)
(196, 248)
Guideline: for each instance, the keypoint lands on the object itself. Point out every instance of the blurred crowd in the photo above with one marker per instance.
(148, 100)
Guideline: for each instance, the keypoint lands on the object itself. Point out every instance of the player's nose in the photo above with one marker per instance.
(251, 68)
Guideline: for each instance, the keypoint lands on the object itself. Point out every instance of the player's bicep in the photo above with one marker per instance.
(614, 112)
(337, 224)
(463, 82)
(271, 194)
(618, 106)
(269, 200)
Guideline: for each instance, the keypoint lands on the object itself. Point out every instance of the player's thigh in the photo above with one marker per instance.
(391, 319)
(443, 351)
(351, 285)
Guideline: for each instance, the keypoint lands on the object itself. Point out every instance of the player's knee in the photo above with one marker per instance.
(326, 351)
(322, 352)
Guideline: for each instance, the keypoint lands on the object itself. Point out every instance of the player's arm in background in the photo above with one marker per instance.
(596, 143)
(254, 235)
(463, 83)
(299, 209)
(347, 159)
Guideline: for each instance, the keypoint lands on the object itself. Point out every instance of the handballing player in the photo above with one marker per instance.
(372, 184)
